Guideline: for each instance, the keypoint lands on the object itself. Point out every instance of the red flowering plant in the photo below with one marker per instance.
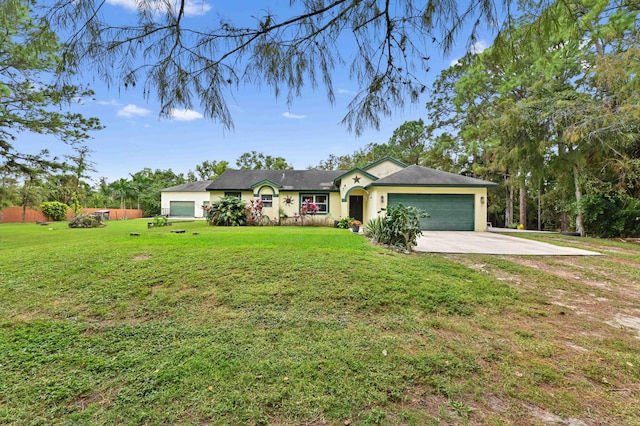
(307, 208)
(254, 211)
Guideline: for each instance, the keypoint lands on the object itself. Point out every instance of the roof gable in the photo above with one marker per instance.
(356, 170)
(382, 160)
(266, 182)
(384, 167)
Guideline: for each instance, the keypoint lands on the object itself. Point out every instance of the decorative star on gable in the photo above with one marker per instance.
(356, 179)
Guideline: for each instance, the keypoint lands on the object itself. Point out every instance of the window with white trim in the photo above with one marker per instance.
(233, 194)
(320, 200)
(267, 200)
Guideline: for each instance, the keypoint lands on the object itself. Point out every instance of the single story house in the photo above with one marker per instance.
(454, 202)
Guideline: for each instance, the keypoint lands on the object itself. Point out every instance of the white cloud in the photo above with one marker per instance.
(196, 8)
(289, 115)
(346, 92)
(185, 114)
(475, 49)
(191, 7)
(127, 4)
(112, 102)
(133, 111)
(479, 47)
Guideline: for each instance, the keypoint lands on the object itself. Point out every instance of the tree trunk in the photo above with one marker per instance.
(523, 205)
(508, 214)
(539, 209)
(576, 182)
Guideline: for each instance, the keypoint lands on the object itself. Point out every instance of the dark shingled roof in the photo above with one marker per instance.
(198, 186)
(323, 180)
(289, 180)
(424, 176)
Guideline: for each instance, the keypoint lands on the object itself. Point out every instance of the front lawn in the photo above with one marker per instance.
(288, 326)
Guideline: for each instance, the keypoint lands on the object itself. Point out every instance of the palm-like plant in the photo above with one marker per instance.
(139, 183)
(122, 190)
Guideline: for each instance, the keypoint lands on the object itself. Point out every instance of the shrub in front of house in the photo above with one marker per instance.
(54, 210)
(253, 210)
(227, 211)
(375, 229)
(344, 223)
(400, 227)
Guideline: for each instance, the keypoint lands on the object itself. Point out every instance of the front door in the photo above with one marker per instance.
(356, 206)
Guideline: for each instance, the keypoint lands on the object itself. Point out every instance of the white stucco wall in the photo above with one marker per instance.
(199, 198)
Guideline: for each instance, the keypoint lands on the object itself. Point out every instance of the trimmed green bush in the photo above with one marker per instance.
(54, 210)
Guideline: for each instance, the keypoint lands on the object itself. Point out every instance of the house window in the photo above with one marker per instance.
(320, 200)
(267, 200)
(233, 194)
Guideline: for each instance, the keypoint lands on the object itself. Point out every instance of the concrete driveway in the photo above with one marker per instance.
(490, 243)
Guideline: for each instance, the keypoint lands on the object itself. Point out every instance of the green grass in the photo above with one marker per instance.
(280, 325)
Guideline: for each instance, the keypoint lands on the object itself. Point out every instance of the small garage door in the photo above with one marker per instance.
(182, 208)
(447, 212)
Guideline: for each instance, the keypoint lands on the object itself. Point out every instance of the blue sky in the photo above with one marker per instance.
(304, 133)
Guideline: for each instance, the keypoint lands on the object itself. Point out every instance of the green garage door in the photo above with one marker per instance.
(182, 208)
(448, 212)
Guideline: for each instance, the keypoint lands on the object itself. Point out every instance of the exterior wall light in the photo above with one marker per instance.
(481, 200)
(382, 199)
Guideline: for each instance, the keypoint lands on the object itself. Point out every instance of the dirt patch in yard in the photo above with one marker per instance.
(598, 289)
(575, 340)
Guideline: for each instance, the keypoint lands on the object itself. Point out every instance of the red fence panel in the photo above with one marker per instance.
(14, 214)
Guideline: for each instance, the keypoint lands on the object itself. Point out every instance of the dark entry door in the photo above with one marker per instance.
(356, 206)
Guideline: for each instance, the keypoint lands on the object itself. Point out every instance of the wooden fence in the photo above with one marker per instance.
(14, 214)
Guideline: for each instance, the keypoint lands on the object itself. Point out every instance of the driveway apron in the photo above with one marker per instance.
(490, 243)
